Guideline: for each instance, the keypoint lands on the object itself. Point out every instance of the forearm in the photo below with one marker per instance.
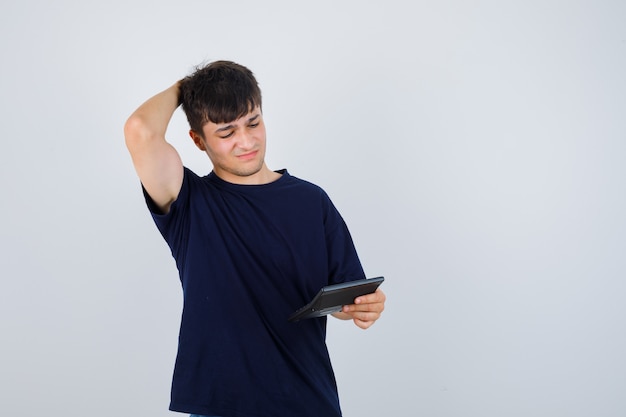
(151, 119)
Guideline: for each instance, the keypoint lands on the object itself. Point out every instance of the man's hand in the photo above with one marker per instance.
(365, 310)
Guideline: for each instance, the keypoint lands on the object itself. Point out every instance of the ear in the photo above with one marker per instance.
(197, 139)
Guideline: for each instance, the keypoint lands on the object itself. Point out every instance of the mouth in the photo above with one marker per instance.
(247, 156)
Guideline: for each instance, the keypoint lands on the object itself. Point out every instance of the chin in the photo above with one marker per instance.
(246, 171)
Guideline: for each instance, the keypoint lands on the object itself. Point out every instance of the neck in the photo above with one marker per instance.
(262, 176)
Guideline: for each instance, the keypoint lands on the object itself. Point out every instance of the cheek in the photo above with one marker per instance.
(261, 136)
(223, 149)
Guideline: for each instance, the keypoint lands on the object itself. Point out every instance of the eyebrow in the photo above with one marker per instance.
(231, 126)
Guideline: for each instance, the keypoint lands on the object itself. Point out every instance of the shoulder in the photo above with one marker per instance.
(307, 195)
(302, 184)
(192, 185)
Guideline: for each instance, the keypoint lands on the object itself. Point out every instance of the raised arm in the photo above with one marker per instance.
(157, 163)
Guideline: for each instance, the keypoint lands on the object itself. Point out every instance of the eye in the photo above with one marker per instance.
(253, 125)
(227, 136)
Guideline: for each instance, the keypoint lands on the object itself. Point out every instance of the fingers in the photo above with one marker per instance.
(374, 302)
(374, 298)
(363, 324)
(366, 309)
(365, 317)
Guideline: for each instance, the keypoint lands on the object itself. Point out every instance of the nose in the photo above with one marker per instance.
(246, 140)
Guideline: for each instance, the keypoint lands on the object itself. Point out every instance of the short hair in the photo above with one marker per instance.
(219, 92)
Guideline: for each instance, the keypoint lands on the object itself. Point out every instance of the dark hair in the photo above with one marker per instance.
(219, 92)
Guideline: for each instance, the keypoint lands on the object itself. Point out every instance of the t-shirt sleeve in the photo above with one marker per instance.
(173, 225)
(343, 261)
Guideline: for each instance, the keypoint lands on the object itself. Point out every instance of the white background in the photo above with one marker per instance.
(475, 148)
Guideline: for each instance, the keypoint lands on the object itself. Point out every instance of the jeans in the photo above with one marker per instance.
(198, 415)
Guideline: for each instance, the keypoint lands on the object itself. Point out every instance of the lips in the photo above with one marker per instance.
(247, 156)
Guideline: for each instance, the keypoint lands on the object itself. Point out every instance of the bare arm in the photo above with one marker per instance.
(157, 163)
(365, 310)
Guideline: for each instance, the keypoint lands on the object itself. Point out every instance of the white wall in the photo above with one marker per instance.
(476, 150)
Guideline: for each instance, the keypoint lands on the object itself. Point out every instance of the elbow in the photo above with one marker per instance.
(136, 132)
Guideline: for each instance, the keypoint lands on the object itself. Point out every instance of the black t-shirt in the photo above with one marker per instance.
(248, 257)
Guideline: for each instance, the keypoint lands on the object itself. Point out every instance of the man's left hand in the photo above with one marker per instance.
(365, 310)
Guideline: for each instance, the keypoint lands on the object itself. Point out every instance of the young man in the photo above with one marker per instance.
(251, 245)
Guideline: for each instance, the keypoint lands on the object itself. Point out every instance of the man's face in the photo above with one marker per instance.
(237, 148)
